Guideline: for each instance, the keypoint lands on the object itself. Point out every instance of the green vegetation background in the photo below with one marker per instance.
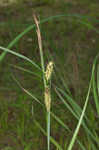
(72, 43)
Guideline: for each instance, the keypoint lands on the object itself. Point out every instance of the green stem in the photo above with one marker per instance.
(48, 130)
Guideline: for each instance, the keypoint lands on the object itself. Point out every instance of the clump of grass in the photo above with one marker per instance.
(63, 95)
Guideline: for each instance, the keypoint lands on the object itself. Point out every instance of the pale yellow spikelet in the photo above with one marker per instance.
(49, 70)
(47, 98)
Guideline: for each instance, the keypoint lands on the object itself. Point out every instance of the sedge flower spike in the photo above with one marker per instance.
(47, 98)
(49, 70)
(47, 94)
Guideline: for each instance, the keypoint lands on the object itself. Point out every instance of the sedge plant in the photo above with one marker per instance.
(48, 107)
(47, 80)
(78, 113)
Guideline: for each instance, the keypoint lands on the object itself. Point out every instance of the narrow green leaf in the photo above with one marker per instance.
(98, 78)
(19, 55)
(26, 70)
(43, 21)
(96, 98)
(83, 112)
(76, 116)
(51, 139)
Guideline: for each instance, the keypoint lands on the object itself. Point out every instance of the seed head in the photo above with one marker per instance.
(49, 70)
(47, 98)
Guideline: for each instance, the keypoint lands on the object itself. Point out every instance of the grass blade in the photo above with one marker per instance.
(83, 112)
(80, 121)
(51, 139)
(98, 78)
(52, 114)
(21, 56)
(77, 16)
(96, 98)
(26, 70)
(75, 115)
(72, 102)
(26, 91)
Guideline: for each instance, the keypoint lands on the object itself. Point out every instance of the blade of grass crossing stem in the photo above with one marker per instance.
(15, 41)
(72, 102)
(43, 21)
(81, 145)
(60, 122)
(52, 114)
(66, 127)
(66, 104)
(67, 15)
(26, 70)
(80, 121)
(26, 91)
(19, 55)
(83, 111)
(76, 116)
(51, 139)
